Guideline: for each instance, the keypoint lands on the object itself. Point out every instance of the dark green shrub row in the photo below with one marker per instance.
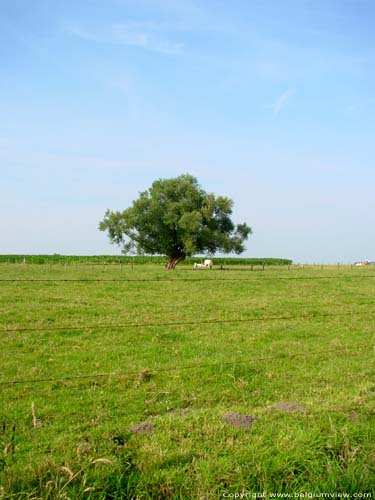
(80, 259)
(117, 259)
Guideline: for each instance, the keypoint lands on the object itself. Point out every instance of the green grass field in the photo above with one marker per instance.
(124, 382)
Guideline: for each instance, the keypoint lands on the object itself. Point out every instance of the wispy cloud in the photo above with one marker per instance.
(282, 101)
(145, 35)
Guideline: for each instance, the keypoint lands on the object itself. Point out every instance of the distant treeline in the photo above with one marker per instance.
(136, 260)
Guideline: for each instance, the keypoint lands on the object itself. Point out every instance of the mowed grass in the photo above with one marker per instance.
(130, 371)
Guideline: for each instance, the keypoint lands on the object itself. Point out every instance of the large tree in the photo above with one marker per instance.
(176, 218)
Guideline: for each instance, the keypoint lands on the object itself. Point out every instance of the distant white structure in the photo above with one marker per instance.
(362, 263)
(207, 264)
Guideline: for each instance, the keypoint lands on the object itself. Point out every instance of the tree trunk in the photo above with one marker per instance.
(173, 261)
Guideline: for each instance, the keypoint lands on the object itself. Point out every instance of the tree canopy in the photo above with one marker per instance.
(176, 218)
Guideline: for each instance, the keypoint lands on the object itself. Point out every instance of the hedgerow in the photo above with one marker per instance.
(136, 260)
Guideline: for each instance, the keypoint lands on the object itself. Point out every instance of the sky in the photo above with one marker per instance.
(269, 102)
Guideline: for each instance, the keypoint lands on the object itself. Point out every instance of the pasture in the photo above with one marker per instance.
(134, 382)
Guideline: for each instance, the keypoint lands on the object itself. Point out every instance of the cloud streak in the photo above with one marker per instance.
(282, 101)
(144, 35)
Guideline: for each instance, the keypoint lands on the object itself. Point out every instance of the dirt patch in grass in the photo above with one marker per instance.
(179, 411)
(239, 420)
(289, 407)
(143, 428)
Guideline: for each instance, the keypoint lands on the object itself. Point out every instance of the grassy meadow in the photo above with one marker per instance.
(121, 382)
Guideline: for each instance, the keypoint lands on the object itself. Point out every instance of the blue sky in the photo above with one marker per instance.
(271, 103)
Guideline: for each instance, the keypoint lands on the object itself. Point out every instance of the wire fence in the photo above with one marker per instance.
(193, 366)
(368, 312)
(353, 350)
(186, 403)
(225, 308)
(177, 280)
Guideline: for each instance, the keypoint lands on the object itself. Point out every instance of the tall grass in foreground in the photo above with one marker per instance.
(145, 389)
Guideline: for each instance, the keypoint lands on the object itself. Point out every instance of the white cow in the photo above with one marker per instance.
(199, 266)
(207, 264)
